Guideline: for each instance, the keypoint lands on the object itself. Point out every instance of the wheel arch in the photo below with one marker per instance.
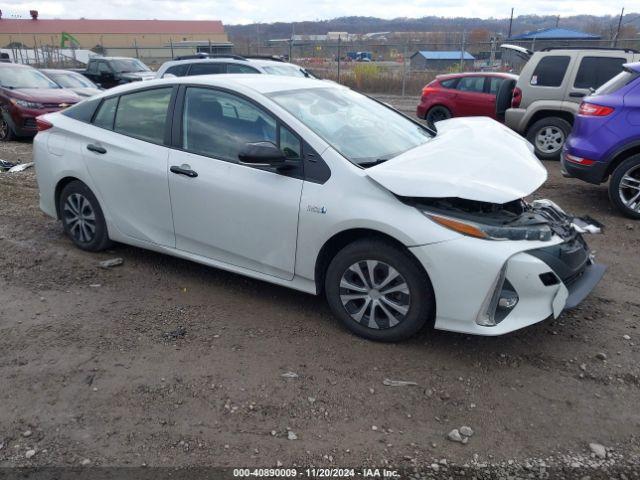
(620, 156)
(63, 182)
(540, 114)
(341, 239)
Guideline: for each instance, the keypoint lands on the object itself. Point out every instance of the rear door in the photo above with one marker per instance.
(591, 70)
(126, 158)
(241, 215)
(472, 99)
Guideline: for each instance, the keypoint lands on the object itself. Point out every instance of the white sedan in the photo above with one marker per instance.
(309, 185)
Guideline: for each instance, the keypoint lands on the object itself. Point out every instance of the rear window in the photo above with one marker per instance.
(616, 83)
(207, 68)
(177, 70)
(451, 83)
(550, 71)
(143, 114)
(471, 84)
(594, 71)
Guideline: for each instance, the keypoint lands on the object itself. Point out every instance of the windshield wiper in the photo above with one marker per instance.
(373, 162)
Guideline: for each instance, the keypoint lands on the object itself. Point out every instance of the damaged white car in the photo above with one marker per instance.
(309, 185)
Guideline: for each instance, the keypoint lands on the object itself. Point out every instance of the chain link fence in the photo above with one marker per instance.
(380, 68)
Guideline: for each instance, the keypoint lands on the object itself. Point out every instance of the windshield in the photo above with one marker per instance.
(617, 82)
(284, 70)
(22, 77)
(129, 65)
(71, 80)
(359, 128)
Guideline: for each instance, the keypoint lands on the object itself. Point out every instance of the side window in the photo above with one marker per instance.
(290, 144)
(236, 68)
(143, 114)
(471, 84)
(219, 125)
(595, 71)
(177, 70)
(207, 68)
(550, 71)
(451, 83)
(103, 68)
(93, 67)
(106, 113)
(494, 84)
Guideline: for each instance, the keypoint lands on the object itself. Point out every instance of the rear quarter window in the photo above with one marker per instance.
(550, 71)
(595, 71)
(177, 70)
(450, 83)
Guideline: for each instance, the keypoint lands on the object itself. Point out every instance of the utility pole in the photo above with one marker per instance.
(615, 39)
(510, 24)
(339, 42)
(464, 39)
(557, 21)
(404, 69)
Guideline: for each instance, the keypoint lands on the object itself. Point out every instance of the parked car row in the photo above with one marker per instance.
(24, 91)
(566, 103)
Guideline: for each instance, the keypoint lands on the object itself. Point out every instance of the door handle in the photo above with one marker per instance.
(96, 148)
(183, 170)
(577, 94)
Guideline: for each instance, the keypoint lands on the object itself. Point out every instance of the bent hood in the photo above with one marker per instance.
(475, 158)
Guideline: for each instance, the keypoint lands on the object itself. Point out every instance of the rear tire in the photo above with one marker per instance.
(379, 291)
(436, 114)
(624, 187)
(6, 132)
(548, 136)
(82, 217)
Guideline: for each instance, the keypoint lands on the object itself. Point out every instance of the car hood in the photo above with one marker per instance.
(45, 95)
(475, 158)
(139, 75)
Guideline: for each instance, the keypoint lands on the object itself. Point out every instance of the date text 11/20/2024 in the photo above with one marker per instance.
(316, 472)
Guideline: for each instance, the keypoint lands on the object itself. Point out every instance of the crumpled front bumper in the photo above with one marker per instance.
(466, 273)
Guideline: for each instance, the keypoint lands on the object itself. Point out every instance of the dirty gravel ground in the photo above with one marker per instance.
(87, 367)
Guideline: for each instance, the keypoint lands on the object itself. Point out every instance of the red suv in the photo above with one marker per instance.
(25, 93)
(461, 95)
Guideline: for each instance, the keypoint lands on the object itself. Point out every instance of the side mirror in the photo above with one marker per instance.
(261, 154)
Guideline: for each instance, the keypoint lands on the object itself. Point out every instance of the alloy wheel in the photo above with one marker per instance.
(629, 189)
(80, 218)
(375, 294)
(550, 139)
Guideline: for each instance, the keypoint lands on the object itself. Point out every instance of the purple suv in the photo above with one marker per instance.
(605, 140)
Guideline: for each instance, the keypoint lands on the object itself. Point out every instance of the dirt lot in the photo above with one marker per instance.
(90, 371)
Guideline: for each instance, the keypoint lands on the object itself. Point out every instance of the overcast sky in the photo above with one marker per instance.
(249, 11)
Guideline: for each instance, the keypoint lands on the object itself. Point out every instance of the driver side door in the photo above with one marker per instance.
(244, 216)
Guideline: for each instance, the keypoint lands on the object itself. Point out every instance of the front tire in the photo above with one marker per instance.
(6, 132)
(379, 291)
(82, 217)
(624, 187)
(548, 136)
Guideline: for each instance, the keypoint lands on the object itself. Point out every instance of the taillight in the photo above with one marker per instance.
(593, 110)
(427, 89)
(579, 160)
(42, 124)
(516, 98)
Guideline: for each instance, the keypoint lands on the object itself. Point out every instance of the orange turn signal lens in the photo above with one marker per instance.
(460, 227)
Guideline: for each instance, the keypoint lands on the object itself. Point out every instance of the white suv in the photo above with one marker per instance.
(312, 186)
(211, 65)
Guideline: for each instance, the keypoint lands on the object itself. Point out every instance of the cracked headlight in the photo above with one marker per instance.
(492, 232)
(27, 104)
